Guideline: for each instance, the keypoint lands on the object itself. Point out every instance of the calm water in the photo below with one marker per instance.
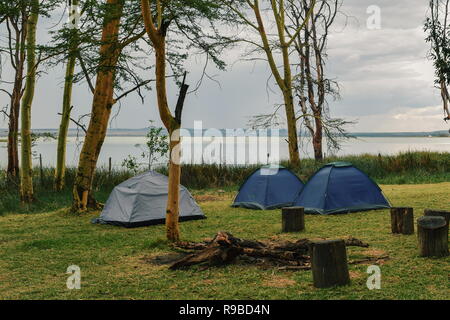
(235, 150)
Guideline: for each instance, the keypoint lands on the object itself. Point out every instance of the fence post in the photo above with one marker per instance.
(41, 170)
(110, 166)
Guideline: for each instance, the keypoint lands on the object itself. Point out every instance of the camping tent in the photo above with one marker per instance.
(339, 187)
(269, 187)
(142, 201)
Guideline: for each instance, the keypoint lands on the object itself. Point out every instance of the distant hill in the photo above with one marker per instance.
(241, 132)
(402, 134)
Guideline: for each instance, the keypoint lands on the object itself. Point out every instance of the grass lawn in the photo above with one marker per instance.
(36, 249)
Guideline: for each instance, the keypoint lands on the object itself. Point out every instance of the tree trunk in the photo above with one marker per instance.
(157, 35)
(26, 174)
(293, 219)
(101, 109)
(13, 126)
(432, 236)
(329, 263)
(442, 213)
(445, 98)
(66, 110)
(317, 139)
(173, 199)
(294, 155)
(402, 220)
(283, 82)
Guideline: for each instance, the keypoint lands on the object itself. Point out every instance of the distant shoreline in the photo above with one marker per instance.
(242, 132)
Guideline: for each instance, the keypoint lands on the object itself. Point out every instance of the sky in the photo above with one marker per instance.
(385, 78)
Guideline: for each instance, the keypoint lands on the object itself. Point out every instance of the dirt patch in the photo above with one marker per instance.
(279, 282)
(210, 197)
(374, 253)
(164, 259)
(355, 274)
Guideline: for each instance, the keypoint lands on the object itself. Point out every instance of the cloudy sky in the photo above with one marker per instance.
(386, 81)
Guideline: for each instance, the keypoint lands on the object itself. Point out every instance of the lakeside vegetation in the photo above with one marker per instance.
(403, 168)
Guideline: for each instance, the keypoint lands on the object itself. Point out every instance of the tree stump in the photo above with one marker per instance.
(442, 213)
(433, 236)
(329, 263)
(293, 219)
(402, 220)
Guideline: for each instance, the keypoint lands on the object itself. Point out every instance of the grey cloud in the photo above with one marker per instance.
(383, 73)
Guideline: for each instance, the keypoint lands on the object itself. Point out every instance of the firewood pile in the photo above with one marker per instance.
(224, 249)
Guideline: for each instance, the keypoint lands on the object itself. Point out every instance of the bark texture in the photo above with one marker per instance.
(432, 236)
(329, 263)
(66, 109)
(110, 50)
(402, 220)
(26, 173)
(293, 219)
(18, 56)
(440, 213)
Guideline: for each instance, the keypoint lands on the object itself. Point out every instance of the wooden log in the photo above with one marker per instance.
(432, 235)
(329, 263)
(442, 213)
(402, 220)
(293, 219)
(222, 250)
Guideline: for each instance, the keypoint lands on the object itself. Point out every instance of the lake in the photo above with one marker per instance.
(232, 150)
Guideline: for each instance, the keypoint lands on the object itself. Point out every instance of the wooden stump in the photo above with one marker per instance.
(442, 213)
(402, 220)
(329, 263)
(293, 219)
(433, 236)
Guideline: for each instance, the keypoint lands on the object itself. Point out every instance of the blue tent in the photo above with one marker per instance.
(339, 187)
(267, 188)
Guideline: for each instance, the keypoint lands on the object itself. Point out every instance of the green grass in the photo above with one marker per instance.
(36, 250)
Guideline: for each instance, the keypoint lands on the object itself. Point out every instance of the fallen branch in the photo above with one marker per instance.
(369, 259)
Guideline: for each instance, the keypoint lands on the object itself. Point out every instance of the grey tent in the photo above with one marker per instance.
(142, 201)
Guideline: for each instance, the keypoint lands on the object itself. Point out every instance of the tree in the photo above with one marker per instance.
(15, 17)
(157, 32)
(72, 33)
(155, 148)
(156, 145)
(118, 32)
(272, 43)
(26, 172)
(312, 87)
(438, 30)
(188, 19)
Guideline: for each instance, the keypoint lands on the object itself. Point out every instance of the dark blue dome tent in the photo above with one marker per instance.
(269, 187)
(339, 187)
